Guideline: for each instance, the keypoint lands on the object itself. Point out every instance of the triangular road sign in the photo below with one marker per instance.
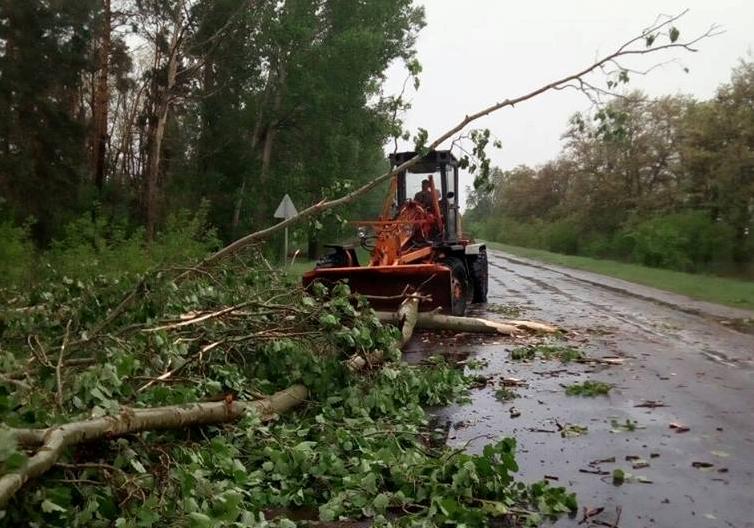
(286, 209)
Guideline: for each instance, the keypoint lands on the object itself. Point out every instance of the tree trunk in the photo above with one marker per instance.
(433, 321)
(55, 440)
(158, 132)
(408, 314)
(269, 142)
(312, 244)
(255, 138)
(101, 98)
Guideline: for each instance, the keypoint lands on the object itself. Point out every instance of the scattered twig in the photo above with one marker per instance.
(11, 381)
(590, 512)
(205, 317)
(651, 404)
(59, 367)
(170, 373)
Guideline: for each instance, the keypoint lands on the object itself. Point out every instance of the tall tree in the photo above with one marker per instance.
(45, 50)
(101, 97)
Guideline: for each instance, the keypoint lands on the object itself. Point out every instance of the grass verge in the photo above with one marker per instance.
(730, 292)
(299, 267)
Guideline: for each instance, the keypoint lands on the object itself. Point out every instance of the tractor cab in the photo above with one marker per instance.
(439, 168)
(416, 246)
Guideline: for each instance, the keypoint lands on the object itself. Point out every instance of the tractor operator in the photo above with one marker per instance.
(424, 197)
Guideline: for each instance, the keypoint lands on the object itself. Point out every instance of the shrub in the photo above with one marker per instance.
(16, 255)
(684, 241)
(101, 246)
(563, 236)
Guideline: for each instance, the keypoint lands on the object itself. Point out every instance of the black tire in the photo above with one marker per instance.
(460, 287)
(338, 258)
(479, 276)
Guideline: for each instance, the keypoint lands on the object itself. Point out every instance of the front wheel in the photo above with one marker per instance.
(479, 275)
(460, 288)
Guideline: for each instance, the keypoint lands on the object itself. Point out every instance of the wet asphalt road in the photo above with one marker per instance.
(701, 370)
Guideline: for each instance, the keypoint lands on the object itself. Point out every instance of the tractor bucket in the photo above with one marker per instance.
(386, 286)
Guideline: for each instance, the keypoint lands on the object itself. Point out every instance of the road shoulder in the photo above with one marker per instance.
(723, 314)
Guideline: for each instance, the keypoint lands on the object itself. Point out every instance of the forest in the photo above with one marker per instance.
(128, 122)
(665, 182)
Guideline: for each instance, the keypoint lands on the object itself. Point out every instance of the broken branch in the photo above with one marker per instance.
(631, 47)
(432, 321)
(55, 440)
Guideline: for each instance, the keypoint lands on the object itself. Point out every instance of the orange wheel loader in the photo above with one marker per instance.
(416, 246)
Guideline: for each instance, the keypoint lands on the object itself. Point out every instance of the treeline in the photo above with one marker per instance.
(665, 182)
(120, 113)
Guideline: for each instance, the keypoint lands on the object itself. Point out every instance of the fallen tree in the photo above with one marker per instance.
(198, 342)
(434, 321)
(52, 442)
(405, 318)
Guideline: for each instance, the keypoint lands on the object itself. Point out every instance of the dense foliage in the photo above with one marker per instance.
(95, 246)
(665, 182)
(130, 110)
(362, 447)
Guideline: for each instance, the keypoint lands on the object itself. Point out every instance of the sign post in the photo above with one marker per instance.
(286, 210)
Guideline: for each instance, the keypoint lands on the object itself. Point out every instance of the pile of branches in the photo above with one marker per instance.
(171, 410)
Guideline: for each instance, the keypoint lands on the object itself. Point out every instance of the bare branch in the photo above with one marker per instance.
(59, 367)
(55, 440)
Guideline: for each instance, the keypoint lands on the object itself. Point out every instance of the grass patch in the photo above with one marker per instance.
(629, 426)
(573, 430)
(589, 389)
(564, 353)
(298, 268)
(730, 292)
(504, 394)
(508, 310)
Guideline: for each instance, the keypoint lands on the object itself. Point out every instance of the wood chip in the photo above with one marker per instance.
(679, 428)
(651, 404)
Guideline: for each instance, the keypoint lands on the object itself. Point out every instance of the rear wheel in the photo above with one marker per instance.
(460, 288)
(479, 276)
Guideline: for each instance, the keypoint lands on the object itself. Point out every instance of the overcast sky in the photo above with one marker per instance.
(476, 52)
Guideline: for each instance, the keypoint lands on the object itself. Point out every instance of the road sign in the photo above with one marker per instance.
(286, 210)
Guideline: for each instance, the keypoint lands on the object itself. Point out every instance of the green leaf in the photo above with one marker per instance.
(495, 508)
(329, 321)
(48, 507)
(15, 461)
(138, 466)
(381, 502)
(619, 476)
(200, 520)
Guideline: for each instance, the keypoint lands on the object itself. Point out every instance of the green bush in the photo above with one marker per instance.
(16, 255)
(94, 245)
(563, 236)
(687, 241)
(185, 238)
(509, 231)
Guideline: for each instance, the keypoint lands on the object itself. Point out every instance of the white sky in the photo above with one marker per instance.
(476, 52)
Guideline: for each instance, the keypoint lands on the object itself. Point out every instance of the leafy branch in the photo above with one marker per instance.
(648, 42)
